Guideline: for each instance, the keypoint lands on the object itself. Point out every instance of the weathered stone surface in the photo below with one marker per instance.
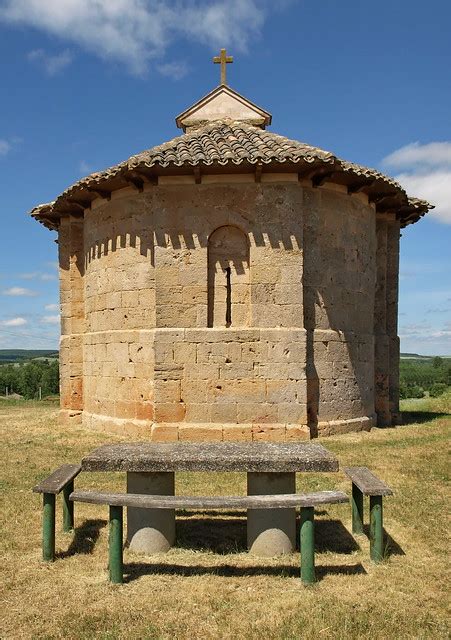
(223, 456)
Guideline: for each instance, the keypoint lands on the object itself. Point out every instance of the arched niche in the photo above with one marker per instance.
(228, 278)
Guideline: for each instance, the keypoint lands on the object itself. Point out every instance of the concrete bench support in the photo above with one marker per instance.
(271, 532)
(150, 530)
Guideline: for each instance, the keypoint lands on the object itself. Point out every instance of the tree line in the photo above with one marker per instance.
(420, 377)
(30, 379)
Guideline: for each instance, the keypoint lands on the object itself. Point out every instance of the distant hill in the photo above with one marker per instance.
(21, 355)
(416, 356)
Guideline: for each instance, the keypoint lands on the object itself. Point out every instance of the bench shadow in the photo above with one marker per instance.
(391, 547)
(217, 535)
(84, 538)
(135, 570)
(339, 569)
(229, 535)
(418, 417)
(331, 535)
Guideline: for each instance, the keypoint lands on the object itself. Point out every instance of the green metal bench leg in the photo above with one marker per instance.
(376, 529)
(48, 527)
(357, 509)
(116, 567)
(307, 536)
(68, 508)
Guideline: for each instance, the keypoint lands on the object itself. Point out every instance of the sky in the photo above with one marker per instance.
(85, 84)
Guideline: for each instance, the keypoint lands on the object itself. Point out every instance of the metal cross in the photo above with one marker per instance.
(223, 60)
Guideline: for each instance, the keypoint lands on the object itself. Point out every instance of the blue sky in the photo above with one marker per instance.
(86, 84)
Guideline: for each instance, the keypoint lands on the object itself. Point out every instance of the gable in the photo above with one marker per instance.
(223, 103)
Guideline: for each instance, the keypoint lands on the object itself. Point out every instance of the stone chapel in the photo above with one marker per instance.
(230, 284)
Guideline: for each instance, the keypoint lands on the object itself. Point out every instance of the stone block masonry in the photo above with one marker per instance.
(235, 311)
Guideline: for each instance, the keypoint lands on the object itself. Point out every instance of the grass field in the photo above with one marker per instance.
(207, 586)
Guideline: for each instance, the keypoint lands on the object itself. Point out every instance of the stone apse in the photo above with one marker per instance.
(230, 284)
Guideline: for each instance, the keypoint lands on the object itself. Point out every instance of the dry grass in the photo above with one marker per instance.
(208, 587)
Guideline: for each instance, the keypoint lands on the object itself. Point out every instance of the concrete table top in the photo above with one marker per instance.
(142, 457)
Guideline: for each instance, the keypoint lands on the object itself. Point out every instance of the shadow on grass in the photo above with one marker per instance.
(217, 535)
(418, 417)
(229, 535)
(134, 570)
(85, 538)
(331, 535)
(391, 547)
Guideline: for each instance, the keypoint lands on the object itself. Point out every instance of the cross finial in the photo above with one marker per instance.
(223, 59)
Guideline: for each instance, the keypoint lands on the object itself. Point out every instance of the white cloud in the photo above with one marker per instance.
(50, 320)
(14, 322)
(18, 291)
(52, 64)
(38, 275)
(84, 168)
(433, 154)
(423, 338)
(5, 147)
(433, 186)
(52, 307)
(174, 70)
(426, 173)
(136, 32)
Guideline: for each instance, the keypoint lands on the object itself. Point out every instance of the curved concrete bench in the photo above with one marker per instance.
(117, 501)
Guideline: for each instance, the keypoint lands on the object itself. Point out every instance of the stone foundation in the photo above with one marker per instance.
(207, 432)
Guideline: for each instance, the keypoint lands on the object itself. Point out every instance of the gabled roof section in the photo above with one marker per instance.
(223, 103)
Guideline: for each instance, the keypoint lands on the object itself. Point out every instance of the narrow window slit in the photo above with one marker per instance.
(228, 318)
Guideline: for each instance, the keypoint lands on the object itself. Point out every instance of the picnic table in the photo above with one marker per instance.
(271, 469)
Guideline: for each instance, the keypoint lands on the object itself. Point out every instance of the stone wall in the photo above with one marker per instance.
(71, 264)
(386, 372)
(298, 358)
(339, 289)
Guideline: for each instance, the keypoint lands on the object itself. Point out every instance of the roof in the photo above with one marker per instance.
(238, 147)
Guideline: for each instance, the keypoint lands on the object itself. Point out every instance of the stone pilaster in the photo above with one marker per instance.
(386, 341)
(381, 339)
(393, 237)
(71, 267)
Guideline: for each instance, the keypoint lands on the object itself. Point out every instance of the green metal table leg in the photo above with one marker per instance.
(376, 529)
(307, 535)
(116, 566)
(48, 527)
(357, 509)
(68, 508)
